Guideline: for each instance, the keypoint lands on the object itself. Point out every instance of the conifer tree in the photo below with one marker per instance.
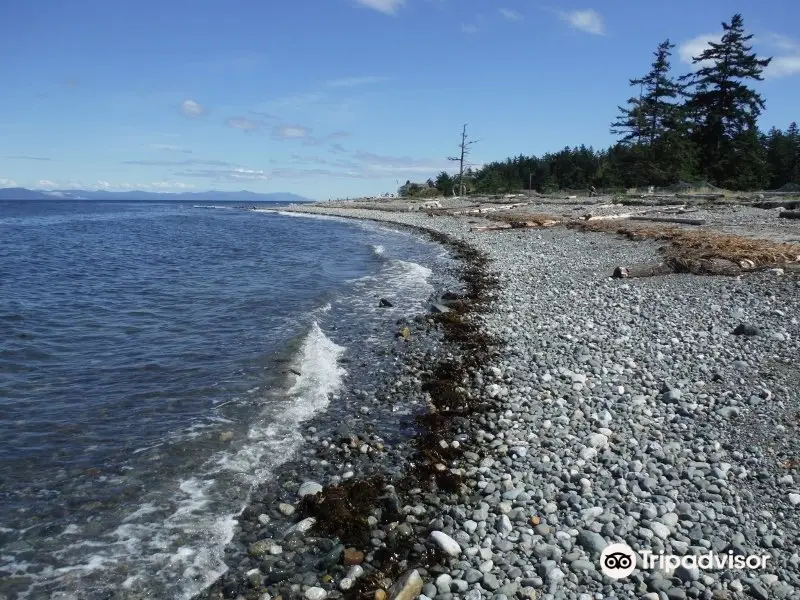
(724, 110)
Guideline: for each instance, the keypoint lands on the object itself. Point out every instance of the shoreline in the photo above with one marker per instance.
(605, 418)
(281, 508)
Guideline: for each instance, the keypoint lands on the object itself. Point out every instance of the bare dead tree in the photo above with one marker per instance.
(464, 146)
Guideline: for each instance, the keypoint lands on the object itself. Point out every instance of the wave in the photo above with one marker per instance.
(378, 249)
(182, 536)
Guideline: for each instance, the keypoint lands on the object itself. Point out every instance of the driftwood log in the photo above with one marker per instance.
(671, 220)
(713, 266)
(790, 214)
(643, 271)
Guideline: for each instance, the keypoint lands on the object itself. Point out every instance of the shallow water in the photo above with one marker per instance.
(148, 354)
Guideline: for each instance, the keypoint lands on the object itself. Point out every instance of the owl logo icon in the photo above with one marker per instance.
(617, 561)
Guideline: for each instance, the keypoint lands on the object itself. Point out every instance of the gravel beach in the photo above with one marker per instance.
(661, 413)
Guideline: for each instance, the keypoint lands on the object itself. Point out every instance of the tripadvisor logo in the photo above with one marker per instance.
(619, 561)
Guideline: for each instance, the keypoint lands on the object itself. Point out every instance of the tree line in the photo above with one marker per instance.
(698, 127)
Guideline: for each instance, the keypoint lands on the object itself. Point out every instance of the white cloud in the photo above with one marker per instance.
(387, 7)
(695, 46)
(355, 81)
(235, 174)
(783, 66)
(782, 42)
(588, 21)
(154, 186)
(171, 148)
(291, 132)
(509, 14)
(468, 28)
(785, 50)
(191, 109)
(8, 183)
(242, 123)
(787, 61)
(377, 165)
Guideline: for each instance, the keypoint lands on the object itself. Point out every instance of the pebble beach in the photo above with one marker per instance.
(661, 413)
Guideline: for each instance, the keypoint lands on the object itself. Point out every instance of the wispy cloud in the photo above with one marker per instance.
(587, 20)
(380, 165)
(299, 174)
(787, 61)
(243, 124)
(291, 132)
(26, 157)
(783, 66)
(304, 134)
(171, 148)
(177, 163)
(355, 81)
(469, 28)
(192, 109)
(7, 183)
(387, 7)
(694, 47)
(153, 186)
(234, 174)
(509, 14)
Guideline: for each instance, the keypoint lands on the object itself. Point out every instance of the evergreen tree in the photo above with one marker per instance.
(655, 110)
(723, 109)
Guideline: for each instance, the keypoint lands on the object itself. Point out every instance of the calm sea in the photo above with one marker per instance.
(145, 383)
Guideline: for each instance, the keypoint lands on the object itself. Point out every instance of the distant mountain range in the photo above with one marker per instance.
(211, 196)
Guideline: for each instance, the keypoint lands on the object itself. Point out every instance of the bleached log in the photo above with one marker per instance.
(671, 220)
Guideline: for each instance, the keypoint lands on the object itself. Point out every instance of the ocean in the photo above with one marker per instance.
(157, 363)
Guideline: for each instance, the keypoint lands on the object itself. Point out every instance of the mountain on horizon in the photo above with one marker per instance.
(209, 196)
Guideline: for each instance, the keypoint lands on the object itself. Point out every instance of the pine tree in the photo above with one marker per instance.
(724, 110)
(655, 109)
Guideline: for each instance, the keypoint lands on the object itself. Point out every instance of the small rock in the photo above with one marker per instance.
(351, 556)
(226, 436)
(408, 587)
(447, 544)
(285, 509)
(746, 330)
(315, 593)
(309, 488)
(384, 303)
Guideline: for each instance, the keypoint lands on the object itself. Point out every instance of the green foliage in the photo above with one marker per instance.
(701, 126)
(418, 190)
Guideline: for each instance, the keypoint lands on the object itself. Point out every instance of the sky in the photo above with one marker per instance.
(335, 98)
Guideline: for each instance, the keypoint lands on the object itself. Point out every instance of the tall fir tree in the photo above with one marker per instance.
(724, 110)
(654, 124)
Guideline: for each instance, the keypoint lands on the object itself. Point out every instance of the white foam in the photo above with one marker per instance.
(200, 513)
(378, 249)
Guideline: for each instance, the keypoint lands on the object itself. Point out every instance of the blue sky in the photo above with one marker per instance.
(334, 98)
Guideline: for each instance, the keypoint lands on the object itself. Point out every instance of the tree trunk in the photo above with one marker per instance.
(642, 271)
(670, 220)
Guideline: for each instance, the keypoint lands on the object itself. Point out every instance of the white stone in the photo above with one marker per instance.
(661, 530)
(447, 544)
(309, 488)
(794, 499)
(316, 593)
(597, 440)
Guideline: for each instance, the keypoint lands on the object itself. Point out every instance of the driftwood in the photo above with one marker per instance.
(769, 204)
(517, 225)
(790, 214)
(642, 271)
(591, 217)
(671, 220)
(713, 266)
